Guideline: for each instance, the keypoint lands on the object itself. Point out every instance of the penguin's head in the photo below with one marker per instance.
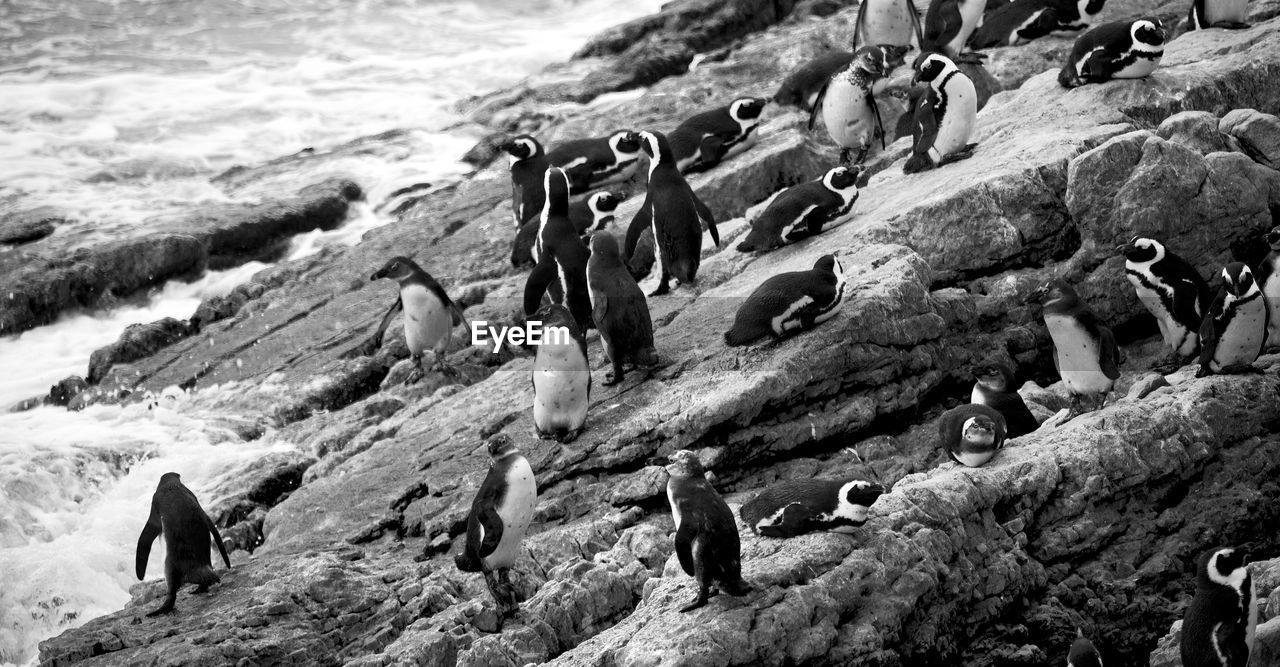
(931, 68)
(522, 147)
(605, 246)
(994, 375)
(169, 479)
(1055, 295)
(500, 446)
(1238, 279)
(655, 146)
(1147, 31)
(625, 142)
(861, 492)
(603, 202)
(979, 430)
(841, 179)
(1273, 238)
(872, 60)
(1222, 566)
(1141, 250)
(555, 315)
(556, 184)
(829, 264)
(685, 464)
(397, 269)
(746, 109)
(1042, 23)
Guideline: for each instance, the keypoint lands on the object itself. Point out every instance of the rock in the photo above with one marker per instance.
(1197, 130)
(66, 390)
(1257, 132)
(1167, 653)
(137, 341)
(1143, 387)
(27, 226)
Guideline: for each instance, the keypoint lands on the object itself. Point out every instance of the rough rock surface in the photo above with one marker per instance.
(1094, 524)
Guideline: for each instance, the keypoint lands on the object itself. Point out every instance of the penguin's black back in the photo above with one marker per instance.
(774, 296)
(705, 516)
(817, 495)
(1017, 416)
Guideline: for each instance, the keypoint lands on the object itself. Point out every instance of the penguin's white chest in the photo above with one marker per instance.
(1233, 11)
(1078, 356)
(958, 117)
(427, 322)
(1271, 292)
(1241, 342)
(886, 22)
(561, 380)
(847, 114)
(516, 510)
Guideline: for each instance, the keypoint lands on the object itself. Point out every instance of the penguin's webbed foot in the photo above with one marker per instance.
(1231, 25)
(664, 287)
(566, 437)
(962, 154)
(414, 376)
(164, 609)
(202, 588)
(611, 378)
(545, 436)
(1170, 363)
(700, 601)
(1240, 369)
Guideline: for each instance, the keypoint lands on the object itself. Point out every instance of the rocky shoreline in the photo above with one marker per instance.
(343, 548)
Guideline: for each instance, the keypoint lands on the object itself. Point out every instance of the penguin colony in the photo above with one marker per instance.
(581, 278)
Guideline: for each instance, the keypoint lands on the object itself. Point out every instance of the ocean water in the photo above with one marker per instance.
(117, 112)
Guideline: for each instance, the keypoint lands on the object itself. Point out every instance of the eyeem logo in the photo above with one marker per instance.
(532, 333)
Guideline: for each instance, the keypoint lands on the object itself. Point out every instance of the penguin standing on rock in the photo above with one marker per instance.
(994, 387)
(1116, 50)
(848, 105)
(801, 87)
(1015, 23)
(1218, 628)
(592, 163)
(788, 302)
(948, 25)
(1085, 351)
(561, 376)
(971, 434)
(674, 216)
(500, 515)
(619, 309)
(945, 118)
(561, 258)
(797, 506)
(1172, 291)
(1229, 14)
(593, 214)
(177, 514)
(1268, 277)
(1234, 332)
(711, 137)
(528, 162)
(429, 314)
(801, 211)
(1083, 653)
(706, 538)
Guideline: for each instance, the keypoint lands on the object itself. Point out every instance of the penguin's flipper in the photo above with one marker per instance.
(149, 534)
(822, 92)
(915, 22)
(491, 525)
(858, 27)
(875, 111)
(536, 284)
(1188, 305)
(707, 218)
(217, 538)
(643, 220)
(1232, 641)
(1110, 353)
(685, 535)
(710, 151)
(376, 341)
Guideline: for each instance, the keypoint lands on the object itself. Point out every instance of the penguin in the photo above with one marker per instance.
(1268, 276)
(1083, 653)
(801, 87)
(972, 433)
(948, 25)
(1218, 628)
(1085, 351)
(1172, 291)
(801, 211)
(711, 137)
(522, 244)
(994, 387)
(561, 376)
(797, 506)
(593, 163)
(619, 309)
(895, 22)
(561, 257)
(177, 514)
(499, 518)
(1234, 332)
(945, 117)
(788, 302)
(848, 105)
(593, 214)
(673, 214)
(1228, 14)
(528, 162)
(1116, 50)
(1015, 23)
(706, 537)
(429, 314)
(1076, 14)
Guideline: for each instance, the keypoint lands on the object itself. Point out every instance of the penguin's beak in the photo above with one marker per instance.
(658, 460)
(1273, 237)
(1124, 248)
(1037, 296)
(380, 273)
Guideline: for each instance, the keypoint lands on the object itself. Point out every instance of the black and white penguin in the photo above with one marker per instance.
(711, 137)
(1015, 23)
(801, 211)
(945, 117)
(561, 268)
(848, 105)
(1076, 14)
(789, 302)
(1116, 50)
(499, 518)
(972, 433)
(528, 163)
(797, 506)
(706, 537)
(1083, 653)
(994, 387)
(593, 214)
(1172, 291)
(1218, 628)
(176, 513)
(801, 87)
(1234, 332)
(895, 22)
(1085, 351)
(592, 163)
(948, 25)
(1268, 276)
(429, 314)
(561, 376)
(674, 216)
(1229, 14)
(619, 309)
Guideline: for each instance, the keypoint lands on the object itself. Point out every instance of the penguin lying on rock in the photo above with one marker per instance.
(800, 211)
(971, 434)
(994, 387)
(1116, 50)
(797, 506)
(790, 302)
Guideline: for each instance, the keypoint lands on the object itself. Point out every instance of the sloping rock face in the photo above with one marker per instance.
(1094, 524)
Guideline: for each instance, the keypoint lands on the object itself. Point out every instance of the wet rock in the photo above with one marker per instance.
(27, 226)
(137, 341)
(66, 390)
